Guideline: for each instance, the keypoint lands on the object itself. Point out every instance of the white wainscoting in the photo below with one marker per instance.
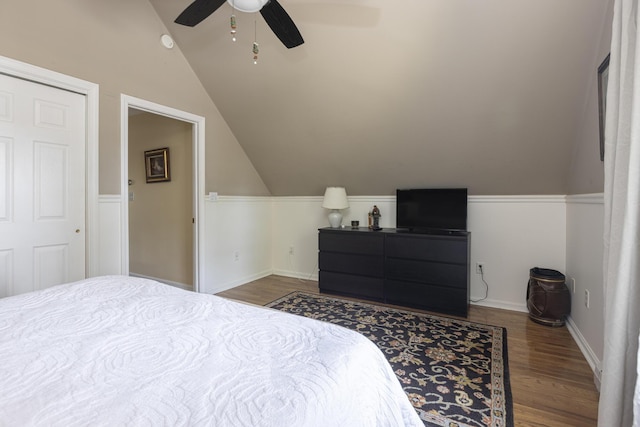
(237, 245)
(239, 225)
(585, 248)
(510, 235)
(109, 257)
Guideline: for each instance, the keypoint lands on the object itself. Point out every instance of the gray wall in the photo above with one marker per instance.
(117, 45)
(586, 171)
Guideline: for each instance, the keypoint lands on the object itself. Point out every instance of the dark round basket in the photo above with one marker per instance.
(548, 298)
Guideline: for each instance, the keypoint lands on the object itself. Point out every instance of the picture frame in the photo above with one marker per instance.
(603, 79)
(157, 165)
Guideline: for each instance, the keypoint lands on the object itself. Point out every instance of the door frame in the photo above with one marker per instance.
(24, 71)
(198, 138)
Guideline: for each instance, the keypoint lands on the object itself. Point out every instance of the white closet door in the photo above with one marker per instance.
(42, 186)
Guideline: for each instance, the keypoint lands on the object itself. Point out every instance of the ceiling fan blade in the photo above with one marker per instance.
(281, 24)
(198, 11)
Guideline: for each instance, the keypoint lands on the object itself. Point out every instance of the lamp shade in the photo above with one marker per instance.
(335, 198)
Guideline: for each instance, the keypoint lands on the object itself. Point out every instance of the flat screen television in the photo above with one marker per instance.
(431, 209)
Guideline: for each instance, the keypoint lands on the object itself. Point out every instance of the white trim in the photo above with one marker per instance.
(241, 281)
(590, 199)
(518, 199)
(243, 199)
(297, 274)
(91, 92)
(471, 199)
(492, 303)
(301, 199)
(586, 350)
(370, 199)
(198, 125)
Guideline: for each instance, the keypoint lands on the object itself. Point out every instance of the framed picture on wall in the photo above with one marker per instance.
(603, 78)
(157, 165)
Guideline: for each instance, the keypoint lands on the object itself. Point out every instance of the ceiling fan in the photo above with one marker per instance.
(278, 20)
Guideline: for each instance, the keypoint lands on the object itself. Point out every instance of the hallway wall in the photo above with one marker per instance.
(160, 213)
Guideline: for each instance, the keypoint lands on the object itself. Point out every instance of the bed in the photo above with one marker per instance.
(128, 351)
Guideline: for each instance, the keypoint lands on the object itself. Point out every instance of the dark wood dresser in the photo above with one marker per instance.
(422, 270)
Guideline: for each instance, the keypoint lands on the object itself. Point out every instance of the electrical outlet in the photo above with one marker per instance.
(236, 256)
(479, 267)
(291, 250)
(586, 298)
(573, 284)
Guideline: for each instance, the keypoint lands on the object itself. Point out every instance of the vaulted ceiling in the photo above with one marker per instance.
(386, 94)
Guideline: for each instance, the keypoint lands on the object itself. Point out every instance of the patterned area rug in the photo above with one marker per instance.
(454, 372)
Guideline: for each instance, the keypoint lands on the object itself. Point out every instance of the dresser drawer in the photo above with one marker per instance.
(351, 242)
(452, 275)
(428, 248)
(436, 298)
(366, 265)
(347, 284)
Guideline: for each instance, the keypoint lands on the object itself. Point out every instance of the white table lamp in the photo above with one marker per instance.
(335, 198)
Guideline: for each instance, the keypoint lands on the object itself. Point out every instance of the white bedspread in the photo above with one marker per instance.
(118, 351)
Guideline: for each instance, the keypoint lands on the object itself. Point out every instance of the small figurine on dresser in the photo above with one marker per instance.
(375, 214)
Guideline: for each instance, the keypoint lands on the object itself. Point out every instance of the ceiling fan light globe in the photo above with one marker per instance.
(248, 6)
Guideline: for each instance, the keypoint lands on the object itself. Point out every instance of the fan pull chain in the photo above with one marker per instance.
(233, 27)
(255, 49)
(233, 21)
(255, 52)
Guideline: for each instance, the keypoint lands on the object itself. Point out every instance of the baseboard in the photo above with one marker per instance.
(296, 274)
(491, 303)
(588, 354)
(242, 281)
(165, 281)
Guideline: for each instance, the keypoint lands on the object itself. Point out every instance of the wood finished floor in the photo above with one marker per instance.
(551, 382)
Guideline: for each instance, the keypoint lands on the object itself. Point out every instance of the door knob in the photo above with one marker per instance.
(77, 230)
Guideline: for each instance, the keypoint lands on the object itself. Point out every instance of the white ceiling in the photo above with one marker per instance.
(484, 94)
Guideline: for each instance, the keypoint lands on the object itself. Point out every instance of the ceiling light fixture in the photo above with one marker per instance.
(271, 10)
(249, 6)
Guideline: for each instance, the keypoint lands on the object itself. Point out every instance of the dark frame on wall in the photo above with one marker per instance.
(603, 78)
(157, 165)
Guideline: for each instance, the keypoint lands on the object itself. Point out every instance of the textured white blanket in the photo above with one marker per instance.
(116, 351)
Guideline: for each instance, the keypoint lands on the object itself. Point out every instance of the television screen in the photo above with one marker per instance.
(432, 209)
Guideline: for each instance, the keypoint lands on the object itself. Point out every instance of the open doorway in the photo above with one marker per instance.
(162, 207)
(160, 198)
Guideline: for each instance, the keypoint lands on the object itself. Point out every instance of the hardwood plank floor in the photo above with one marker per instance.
(551, 382)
